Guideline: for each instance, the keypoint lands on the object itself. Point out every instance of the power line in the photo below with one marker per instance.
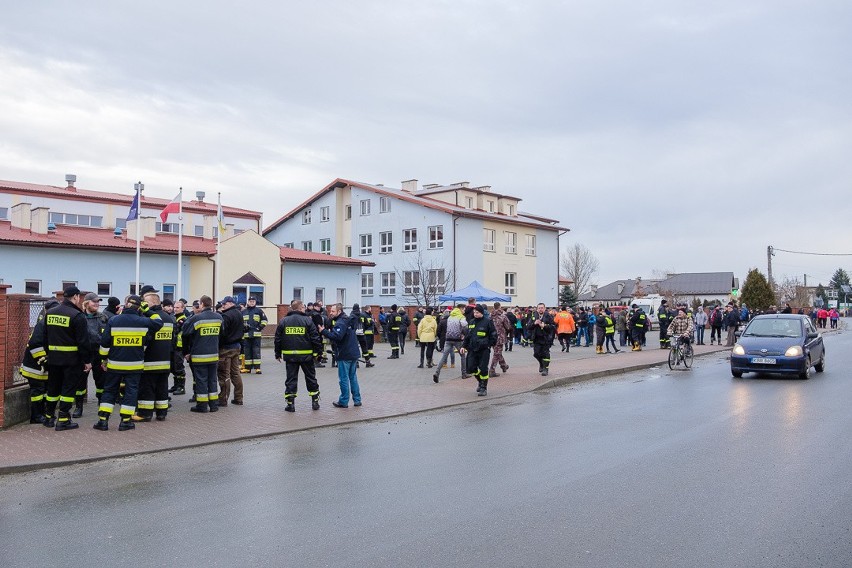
(814, 253)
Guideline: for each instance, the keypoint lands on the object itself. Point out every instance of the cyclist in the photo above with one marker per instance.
(682, 328)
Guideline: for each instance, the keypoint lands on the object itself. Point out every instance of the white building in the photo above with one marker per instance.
(438, 237)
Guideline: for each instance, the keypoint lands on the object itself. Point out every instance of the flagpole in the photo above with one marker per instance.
(218, 243)
(179, 290)
(138, 187)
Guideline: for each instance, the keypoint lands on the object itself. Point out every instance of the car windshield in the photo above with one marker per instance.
(771, 327)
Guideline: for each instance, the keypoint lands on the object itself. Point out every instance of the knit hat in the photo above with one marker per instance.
(113, 302)
(480, 308)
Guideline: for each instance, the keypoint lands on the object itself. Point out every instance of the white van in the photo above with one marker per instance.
(650, 304)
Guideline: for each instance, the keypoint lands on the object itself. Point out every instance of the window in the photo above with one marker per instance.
(409, 240)
(388, 284)
(216, 231)
(511, 242)
(366, 244)
(298, 293)
(306, 217)
(167, 227)
(307, 245)
(511, 210)
(469, 201)
(490, 206)
(366, 283)
(347, 213)
(325, 246)
(384, 204)
(198, 230)
(437, 280)
(341, 296)
(104, 288)
(73, 219)
(386, 242)
(167, 292)
(4, 212)
(133, 287)
(365, 207)
(349, 251)
(488, 240)
(411, 282)
(319, 295)
(510, 281)
(68, 283)
(325, 214)
(289, 245)
(436, 237)
(32, 286)
(530, 250)
(120, 223)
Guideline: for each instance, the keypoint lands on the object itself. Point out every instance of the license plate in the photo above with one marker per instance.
(763, 360)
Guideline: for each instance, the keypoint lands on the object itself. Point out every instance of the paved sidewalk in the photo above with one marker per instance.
(391, 388)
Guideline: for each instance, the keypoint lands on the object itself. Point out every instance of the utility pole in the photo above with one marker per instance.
(769, 254)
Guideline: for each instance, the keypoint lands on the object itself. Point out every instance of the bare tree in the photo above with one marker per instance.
(424, 281)
(579, 265)
(791, 291)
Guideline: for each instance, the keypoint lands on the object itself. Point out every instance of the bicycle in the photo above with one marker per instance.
(681, 353)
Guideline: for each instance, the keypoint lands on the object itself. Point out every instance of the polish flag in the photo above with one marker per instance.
(172, 207)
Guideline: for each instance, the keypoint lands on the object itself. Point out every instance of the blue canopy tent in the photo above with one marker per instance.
(477, 291)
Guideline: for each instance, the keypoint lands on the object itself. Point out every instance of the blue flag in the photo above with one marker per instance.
(134, 208)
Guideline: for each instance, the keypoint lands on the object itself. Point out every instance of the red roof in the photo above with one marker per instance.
(103, 239)
(119, 198)
(297, 255)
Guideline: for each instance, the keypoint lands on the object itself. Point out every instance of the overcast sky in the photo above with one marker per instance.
(667, 135)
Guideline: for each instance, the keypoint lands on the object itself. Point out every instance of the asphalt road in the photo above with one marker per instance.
(654, 468)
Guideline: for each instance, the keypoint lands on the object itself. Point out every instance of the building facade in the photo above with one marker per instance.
(424, 242)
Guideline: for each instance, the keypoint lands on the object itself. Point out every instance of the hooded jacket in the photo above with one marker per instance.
(427, 329)
(342, 336)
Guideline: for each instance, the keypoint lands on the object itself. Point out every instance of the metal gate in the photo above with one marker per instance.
(23, 312)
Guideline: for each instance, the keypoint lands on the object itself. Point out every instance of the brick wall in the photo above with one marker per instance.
(4, 321)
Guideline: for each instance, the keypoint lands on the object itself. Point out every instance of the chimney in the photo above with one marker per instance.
(594, 288)
(409, 185)
(148, 229)
(21, 216)
(199, 196)
(70, 179)
(620, 288)
(38, 220)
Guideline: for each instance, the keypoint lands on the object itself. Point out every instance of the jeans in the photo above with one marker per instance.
(348, 379)
(450, 347)
(699, 332)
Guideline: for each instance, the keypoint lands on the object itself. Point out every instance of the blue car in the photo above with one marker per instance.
(779, 343)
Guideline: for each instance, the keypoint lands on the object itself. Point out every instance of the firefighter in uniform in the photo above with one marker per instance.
(201, 348)
(123, 345)
(541, 329)
(665, 318)
(154, 387)
(34, 368)
(368, 324)
(296, 340)
(95, 321)
(481, 337)
(254, 320)
(177, 368)
(66, 344)
(637, 327)
(394, 325)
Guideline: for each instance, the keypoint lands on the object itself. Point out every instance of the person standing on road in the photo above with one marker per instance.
(254, 321)
(480, 338)
(95, 321)
(230, 341)
(600, 331)
(732, 318)
(394, 325)
(609, 330)
(296, 341)
(404, 325)
(665, 319)
(123, 345)
(368, 338)
(201, 349)
(700, 324)
(717, 318)
(456, 328)
(504, 328)
(681, 327)
(564, 328)
(540, 329)
(342, 336)
(621, 327)
(582, 327)
(34, 368)
(66, 345)
(427, 334)
(637, 327)
(154, 386)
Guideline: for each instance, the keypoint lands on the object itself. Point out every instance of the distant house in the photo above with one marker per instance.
(687, 286)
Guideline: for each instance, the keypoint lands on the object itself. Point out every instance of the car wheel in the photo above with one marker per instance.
(820, 367)
(806, 373)
(737, 374)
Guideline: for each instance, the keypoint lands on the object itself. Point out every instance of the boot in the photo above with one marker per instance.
(315, 402)
(430, 364)
(126, 424)
(420, 366)
(257, 371)
(291, 407)
(506, 368)
(200, 407)
(102, 424)
(435, 377)
(545, 371)
(484, 390)
(214, 405)
(161, 415)
(64, 422)
(493, 373)
(78, 407)
(370, 364)
(479, 385)
(49, 421)
(38, 419)
(243, 365)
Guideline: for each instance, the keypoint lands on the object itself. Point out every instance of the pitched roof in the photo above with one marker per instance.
(118, 198)
(297, 255)
(523, 219)
(89, 238)
(609, 292)
(696, 283)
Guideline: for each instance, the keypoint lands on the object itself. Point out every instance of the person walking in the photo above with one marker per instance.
(565, 327)
(481, 336)
(540, 329)
(123, 345)
(504, 329)
(65, 344)
(201, 347)
(297, 338)
(230, 340)
(455, 330)
(427, 333)
(342, 337)
(254, 321)
(700, 323)
(609, 330)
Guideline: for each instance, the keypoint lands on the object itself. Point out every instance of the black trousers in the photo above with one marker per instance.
(251, 349)
(428, 349)
(541, 352)
(393, 339)
(61, 387)
(477, 363)
(402, 336)
(110, 396)
(292, 382)
(153, 393)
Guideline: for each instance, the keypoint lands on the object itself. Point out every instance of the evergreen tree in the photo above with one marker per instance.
(756, 292)
(568, 297)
